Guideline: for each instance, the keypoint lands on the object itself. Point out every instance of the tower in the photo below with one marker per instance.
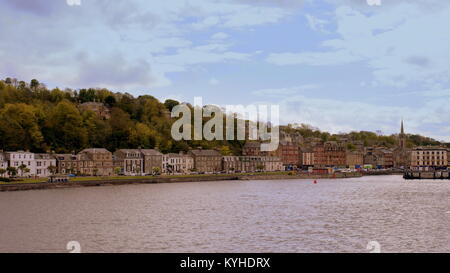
(402, 138)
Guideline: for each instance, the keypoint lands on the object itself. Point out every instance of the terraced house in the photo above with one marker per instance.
(153, 160)
(131, 161)
(207, 161)
(96, 162)
(429, 158)
(23, 162)
(44, 164)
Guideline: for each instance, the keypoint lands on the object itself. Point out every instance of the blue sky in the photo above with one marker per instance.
(337, 65)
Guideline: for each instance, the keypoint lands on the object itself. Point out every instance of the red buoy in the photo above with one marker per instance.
(315, 181)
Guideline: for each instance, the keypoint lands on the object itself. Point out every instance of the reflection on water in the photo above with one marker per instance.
(232, 216)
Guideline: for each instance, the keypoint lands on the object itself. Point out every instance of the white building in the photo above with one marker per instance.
(19, 158)
(43, 162)
(177, 163)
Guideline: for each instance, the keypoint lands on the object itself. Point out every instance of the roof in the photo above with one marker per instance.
(44, 156)
(252, 144)
(65, 157)
(149, 152)
(95, 150)
(205, 153)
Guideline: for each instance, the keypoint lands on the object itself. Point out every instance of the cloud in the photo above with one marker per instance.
(213, 81)
(402, 44)
(316, 23)
(282, 92)
(114, 71)
(220, 36)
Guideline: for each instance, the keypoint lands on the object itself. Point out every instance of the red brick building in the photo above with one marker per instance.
(329, 154)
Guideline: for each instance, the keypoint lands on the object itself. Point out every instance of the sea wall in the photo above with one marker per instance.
(155, 180)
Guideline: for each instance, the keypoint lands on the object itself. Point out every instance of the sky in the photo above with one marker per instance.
(339, 65)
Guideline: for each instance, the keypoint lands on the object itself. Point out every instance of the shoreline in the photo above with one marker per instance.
(160, 180)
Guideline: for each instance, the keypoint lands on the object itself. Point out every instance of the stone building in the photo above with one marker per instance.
(329, 154)
(252, 149)
(177, 163)
(44, 162)
(251, 164)
(402, 153)
(428, 158)
(354, 159)
(97, 107)
(95, 162)
(67, 164)
(153, 160)
(379, 157)
(206, 160)
(306, 157)
(131, 161)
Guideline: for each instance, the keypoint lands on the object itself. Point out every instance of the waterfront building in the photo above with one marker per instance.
(177, 163)
(354, 159)
(306, 157)
(329, 154)
(44, 164)
(153, 160)
(428, 158)
(95, 162)
(289, 154)
(379, 157)
(131, 161)
(251, 164)
(67, 164)
(22, 158)
(206, 160)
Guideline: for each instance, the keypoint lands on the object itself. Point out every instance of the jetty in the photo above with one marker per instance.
(409, 175)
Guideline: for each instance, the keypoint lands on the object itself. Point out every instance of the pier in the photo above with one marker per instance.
(426, 175)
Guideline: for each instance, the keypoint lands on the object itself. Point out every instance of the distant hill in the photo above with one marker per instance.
(35, 118)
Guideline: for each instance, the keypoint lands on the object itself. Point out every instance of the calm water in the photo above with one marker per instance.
(232, 216)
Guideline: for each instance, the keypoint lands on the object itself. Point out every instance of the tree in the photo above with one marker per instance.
(110, 101)
(22, 169)
(52, 169)
(19, 128)
(34, 84)
(12, 171)
(170, 104)
(65, 128)
(117, 170)
(156, 171)
(260, 167)
(2, 172)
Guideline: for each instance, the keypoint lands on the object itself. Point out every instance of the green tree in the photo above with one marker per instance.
(34, 84)
(12, 171)
(2, 172)
(170, 104)
(19, 128)
(22, 169)
(65, 128)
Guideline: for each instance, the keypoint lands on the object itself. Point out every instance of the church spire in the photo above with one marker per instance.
(402, 130)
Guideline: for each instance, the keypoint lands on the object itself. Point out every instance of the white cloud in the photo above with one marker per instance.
(219, 36)
(214, 81)
(316, 23)
(403, 44)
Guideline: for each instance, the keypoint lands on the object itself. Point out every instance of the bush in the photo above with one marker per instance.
(3, 179)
